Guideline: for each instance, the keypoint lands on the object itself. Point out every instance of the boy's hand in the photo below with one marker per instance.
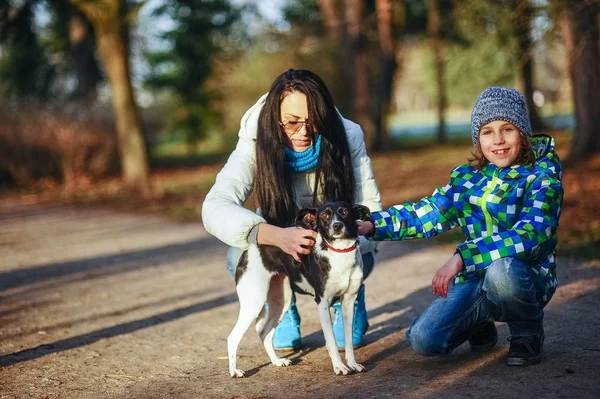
(365, 228)
(441, 279)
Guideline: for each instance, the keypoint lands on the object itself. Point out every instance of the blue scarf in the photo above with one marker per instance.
(305, 160)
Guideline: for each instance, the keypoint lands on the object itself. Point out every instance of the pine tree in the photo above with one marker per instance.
(184, 68)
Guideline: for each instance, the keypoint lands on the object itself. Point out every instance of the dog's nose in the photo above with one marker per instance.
(337, 226)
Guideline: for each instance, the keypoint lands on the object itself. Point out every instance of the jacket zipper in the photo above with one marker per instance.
(486, 194)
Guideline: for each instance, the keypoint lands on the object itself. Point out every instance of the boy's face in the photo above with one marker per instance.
(500, 143)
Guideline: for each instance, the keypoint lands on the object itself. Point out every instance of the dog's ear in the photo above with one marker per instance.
(307, 218)
(362, 213)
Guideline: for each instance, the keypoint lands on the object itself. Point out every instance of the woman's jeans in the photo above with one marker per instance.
(508, 293)
(234, 254)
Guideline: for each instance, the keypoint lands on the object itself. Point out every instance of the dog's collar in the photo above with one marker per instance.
(343, 250)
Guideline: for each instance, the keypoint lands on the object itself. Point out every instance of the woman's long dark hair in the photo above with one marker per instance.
(334, 178)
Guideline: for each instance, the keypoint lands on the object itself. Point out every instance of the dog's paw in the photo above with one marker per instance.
(341, 369)
(237, 373)
(356, 367)
(282, 361)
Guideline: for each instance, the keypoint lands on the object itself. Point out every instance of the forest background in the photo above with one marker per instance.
(137, 105)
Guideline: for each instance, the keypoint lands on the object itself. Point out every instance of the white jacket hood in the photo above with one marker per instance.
(223, 213)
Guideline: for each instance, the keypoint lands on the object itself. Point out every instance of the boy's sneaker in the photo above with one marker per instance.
(484, 338)
(287, 332)
(525, 351)
(360, 323)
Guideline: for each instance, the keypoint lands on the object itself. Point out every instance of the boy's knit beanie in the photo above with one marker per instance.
(498, 103)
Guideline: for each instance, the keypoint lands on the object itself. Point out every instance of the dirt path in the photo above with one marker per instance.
(96, 304)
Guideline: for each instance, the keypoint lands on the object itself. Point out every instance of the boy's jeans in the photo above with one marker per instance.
(507, 293)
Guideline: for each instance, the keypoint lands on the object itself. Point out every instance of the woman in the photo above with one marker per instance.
(507, 201)
(294, 151)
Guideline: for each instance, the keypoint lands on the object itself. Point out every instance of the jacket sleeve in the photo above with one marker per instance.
(366, 191)
(422, 219)
(534, 235)
(223, 213)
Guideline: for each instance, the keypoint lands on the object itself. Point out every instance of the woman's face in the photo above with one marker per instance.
(294, 114)
(500, 143)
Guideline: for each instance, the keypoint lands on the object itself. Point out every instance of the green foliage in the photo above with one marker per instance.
(307, 14)
(415, 21)
(57, 38)
(469, 70)
(473, 64)
(251, 76)
(25, 71)
(38, 59)
(185, 67)
(70, 37)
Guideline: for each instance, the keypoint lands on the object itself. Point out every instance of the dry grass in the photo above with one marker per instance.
(43, 146)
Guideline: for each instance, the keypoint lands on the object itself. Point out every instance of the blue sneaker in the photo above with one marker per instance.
(287, 332)
(360, 324)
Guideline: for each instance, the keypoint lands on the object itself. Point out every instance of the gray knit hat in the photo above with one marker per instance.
(498, 103)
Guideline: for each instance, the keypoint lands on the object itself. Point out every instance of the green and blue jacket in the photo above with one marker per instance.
(503, 212)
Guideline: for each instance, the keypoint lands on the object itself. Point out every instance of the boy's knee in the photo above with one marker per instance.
(422, 341)
(501, 278)
(498, 277)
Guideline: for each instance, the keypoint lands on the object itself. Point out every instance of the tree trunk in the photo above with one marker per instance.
(584, 61)
(356, 71)
(109, 23)
(385, 78)
(334, 22)
(433, 32)
(523, 33)
(113, 53)
(331, 19)
(361, 95)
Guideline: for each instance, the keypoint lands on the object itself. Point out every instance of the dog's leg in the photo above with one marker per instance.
(274, 308)
(336, 360)
(347, 318)
(278, 300)
(252, 291)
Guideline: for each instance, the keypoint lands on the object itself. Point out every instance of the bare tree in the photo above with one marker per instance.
(110, 19)
(388, 44)
(355, 60)
(522, 24)
(331, 20)
(580, 31)
(437, 48)
(344, 21)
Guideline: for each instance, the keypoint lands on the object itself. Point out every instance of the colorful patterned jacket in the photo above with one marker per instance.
(509, 212)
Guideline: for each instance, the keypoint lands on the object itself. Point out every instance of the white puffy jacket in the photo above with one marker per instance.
(223, 213)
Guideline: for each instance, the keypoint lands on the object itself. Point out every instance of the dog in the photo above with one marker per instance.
(332, 270)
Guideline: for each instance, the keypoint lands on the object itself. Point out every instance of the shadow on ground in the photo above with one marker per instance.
(195, 368)
(113, 331)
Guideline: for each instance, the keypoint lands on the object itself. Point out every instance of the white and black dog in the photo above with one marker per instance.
(332, 270)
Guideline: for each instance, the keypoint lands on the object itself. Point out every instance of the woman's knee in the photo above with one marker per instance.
(233, 258)
(368, 264)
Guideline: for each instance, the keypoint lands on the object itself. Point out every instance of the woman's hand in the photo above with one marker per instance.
(365, 228)
(291, 240)
(441, 279)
